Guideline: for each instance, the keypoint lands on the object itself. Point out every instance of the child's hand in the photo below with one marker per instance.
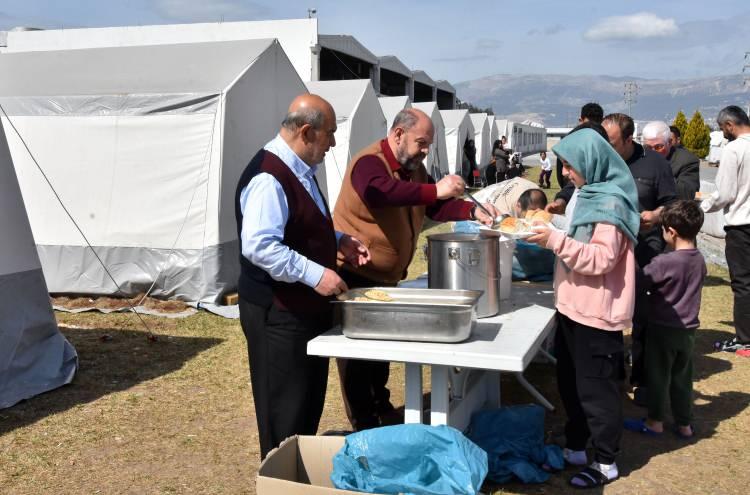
(541, 236)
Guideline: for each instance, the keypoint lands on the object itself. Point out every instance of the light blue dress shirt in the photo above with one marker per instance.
(263, 228)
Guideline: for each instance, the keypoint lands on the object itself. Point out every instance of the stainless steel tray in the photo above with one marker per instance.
(417, 315)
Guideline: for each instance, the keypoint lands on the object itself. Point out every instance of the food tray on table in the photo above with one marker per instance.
(415, 315)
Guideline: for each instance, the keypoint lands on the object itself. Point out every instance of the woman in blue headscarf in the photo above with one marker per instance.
(594, 297)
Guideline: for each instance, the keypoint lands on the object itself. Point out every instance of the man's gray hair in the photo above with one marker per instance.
(405, 119)
(733, 114)
(295, 120)
(656, 130)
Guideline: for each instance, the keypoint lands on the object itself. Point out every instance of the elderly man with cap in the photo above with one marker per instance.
(385, 195)
(288, 271)
(657, 135)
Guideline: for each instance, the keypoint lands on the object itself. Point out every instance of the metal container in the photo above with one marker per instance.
(421, 315)
(468, 262)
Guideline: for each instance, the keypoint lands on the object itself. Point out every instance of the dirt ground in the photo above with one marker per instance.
(176, 415)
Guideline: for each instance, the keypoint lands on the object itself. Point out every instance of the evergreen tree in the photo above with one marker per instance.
(697, 137)
(680, 122)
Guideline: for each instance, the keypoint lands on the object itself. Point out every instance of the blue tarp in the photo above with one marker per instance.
(410, 459)
(513, 438)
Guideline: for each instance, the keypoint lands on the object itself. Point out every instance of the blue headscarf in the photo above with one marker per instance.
(609, 195)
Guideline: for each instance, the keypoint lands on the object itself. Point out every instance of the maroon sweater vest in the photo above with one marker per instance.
(307, 232)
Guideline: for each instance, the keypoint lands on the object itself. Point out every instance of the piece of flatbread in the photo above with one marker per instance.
(378, 295)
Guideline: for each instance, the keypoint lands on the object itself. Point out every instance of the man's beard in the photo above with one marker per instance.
(409, 163)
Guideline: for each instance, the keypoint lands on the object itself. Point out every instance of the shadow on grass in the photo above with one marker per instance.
(123, 359)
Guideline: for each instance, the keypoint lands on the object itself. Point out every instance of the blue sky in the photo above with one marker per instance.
(459, 41)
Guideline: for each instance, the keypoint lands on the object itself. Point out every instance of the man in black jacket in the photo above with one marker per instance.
(657, 136)
(656, 188)
(685, 166)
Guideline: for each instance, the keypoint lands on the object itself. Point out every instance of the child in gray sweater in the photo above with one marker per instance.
(674, 280)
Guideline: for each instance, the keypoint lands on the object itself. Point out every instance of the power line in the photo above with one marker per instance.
(631, 95)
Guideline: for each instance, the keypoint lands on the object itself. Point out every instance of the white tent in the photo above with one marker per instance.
(718, 141)
(494, 131)
(360, 122)
(34, 356)
(436, 161)
(145, 146)
(391, 105)
(502, 128)
(458, 129)
(481, 138)
(298, 38)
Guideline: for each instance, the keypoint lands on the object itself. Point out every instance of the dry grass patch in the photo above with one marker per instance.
(176, 415)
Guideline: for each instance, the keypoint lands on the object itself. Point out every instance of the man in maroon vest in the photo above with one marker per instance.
(385, 195)
(288, 271)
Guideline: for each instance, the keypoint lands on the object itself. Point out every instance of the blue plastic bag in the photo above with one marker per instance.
(513, 438)
(410, 459)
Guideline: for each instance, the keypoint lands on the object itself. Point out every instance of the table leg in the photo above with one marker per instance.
(413, 394)
(439, 398)
(537, 395)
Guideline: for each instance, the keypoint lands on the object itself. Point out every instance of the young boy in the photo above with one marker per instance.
(675, 280)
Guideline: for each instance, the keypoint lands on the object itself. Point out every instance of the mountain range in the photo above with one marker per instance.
(556, 100)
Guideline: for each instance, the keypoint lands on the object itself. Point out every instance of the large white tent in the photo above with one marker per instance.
(458, 129)
(144, 146)
(436, 161)
(34, 356)
(391, 105)
(481, 138)
(360, 122)
(494, 131)
(298, 38)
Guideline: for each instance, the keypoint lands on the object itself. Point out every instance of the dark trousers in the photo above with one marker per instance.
(363, 383)
(669, 364)
(289, 387)
(544, 177)
(589, 363)
(738, 260)
(638, 375)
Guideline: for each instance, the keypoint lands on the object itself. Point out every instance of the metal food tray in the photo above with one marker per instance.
(416, 315)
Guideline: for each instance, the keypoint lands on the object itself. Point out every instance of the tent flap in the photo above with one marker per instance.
(35, 357)
(109, 105)
(184, 274)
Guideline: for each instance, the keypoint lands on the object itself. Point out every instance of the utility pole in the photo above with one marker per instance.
(746, 71)
(631, 96)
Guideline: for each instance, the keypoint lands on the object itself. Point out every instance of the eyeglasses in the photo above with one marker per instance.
(656, 147)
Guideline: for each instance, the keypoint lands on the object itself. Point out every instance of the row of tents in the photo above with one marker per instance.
(143, 145)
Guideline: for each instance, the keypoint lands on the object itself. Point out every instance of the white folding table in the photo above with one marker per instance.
(466, 375)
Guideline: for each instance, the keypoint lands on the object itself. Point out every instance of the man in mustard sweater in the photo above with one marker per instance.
(385, 195)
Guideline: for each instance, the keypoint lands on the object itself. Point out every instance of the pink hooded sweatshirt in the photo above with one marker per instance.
(595, 281)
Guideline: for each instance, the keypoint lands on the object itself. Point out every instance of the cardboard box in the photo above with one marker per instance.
(300, 465)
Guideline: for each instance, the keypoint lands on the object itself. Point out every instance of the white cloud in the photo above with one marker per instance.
(632, 27)
(210, 10)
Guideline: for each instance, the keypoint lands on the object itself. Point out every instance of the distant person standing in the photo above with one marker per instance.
(733, 197)
(499, 162)
(546, 170)
(657, 135)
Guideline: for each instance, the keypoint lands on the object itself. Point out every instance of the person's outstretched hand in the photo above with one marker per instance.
(355, 253)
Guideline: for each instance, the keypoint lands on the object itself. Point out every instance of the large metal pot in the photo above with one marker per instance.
(466, 262)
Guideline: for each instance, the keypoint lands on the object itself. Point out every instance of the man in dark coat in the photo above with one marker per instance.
(685, 166)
